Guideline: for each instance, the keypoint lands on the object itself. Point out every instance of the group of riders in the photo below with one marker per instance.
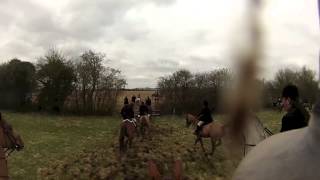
(296, 115)
(128, 110)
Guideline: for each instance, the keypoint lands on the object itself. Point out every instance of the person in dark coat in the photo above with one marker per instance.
(148, 103)
(143, 109)
(125, 100)
(296, 116)
(127, 111)
(133, 99)
(204, 117)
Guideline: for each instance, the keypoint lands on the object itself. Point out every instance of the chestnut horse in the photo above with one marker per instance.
(215, 131)
(9, 141)
(128, 131)
(144, 122)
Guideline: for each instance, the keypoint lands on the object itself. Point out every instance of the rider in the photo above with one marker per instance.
(133, 98)
(148, 103)
(143, 109)
(204, 117)
(125, 100)
(297, 116)
(127, 111)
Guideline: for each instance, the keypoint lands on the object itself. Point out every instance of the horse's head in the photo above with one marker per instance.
(12, 140)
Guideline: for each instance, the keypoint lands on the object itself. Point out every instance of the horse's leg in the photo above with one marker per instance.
(213, 146)
(121, 144)
(196, 141)
(219, 142)
(201, 143)
(122, 139)
(138, 130)
(126, 144)
(130, 139)
(142, 131)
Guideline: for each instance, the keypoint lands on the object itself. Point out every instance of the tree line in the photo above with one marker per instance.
(55, 84)
(184, 91)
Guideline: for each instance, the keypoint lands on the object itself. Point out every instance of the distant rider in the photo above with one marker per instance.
(125, 100)
(133, 99)
(143, 109)
(148, 103)
(204, 117)
(127, 112)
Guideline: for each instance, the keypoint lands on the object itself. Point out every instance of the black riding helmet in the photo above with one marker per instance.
(291, 91)
(126, 101)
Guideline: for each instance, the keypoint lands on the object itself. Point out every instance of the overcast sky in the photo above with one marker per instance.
(147, 39)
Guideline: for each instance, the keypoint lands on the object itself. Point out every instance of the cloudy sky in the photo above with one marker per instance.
(147, 39)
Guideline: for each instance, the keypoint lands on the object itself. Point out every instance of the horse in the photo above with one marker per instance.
(144, 122)
(155, 174)
(290, 155)
(9, 142)
(215, 131)
(128, 131)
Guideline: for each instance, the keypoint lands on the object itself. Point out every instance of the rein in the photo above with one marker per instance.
(193, 120)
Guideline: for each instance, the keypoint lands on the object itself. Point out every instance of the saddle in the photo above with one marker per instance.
(133, 121)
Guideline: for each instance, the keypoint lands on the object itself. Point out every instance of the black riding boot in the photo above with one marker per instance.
(197, 131)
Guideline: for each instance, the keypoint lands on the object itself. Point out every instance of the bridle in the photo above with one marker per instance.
(8, 132)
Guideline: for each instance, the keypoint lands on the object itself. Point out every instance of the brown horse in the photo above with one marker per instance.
(128, 131)
(155, 174)
(144, 122)
(215, 131)
(9, 141)
(12, 140)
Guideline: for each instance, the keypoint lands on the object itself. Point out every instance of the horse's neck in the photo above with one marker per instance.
(314, 126)
(314, 123)
(2, 137)
(194, 120)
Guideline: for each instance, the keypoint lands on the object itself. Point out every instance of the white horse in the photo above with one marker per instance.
(293, 155)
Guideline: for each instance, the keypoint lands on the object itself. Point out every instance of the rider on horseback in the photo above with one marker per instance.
(204, 117)
(143, 109)
(127, 112)
(148, 103)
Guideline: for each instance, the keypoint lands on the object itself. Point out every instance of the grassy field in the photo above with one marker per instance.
(68, 147)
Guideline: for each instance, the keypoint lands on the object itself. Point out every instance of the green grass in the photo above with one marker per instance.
(271, 120)
(87, 145)
(49, 138)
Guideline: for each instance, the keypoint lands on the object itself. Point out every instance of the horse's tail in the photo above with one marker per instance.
(123, 132)
(145, 121)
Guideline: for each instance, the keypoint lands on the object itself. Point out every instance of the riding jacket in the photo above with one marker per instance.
(143, 110)
(205, 115)
(127, 111)
(296, 118)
